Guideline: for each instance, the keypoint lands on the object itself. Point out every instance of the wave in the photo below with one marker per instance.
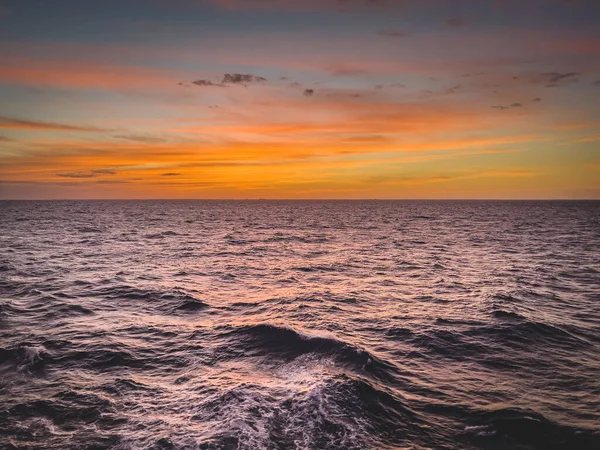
(339, 412)
(190, 305)
(161, 235)
(6, 309)
(52, 421)
(67, 310)
(399, 333)
(171, 301)
(485, 342)
(448, 344)
(294, 238)
(321, 268)
(25, 357)
(520, 333)
(272, 340)
(514, 428)
(89, 230)
(507, 315)
(102, 358)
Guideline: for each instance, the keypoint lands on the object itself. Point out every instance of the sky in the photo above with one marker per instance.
(248, 99)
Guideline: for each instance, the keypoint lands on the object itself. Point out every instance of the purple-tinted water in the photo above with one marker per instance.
(300, 325)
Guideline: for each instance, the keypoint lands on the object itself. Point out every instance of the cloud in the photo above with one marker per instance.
(136, 138)
(309, 92)
(170, 174)
(555, 79)
(548, 79)
(240, 78)
(454, 22)
(104, 172)
(76, 175)
(536, 100)
(230, 79)
(511, 106)
(23, 124)
(87, 174)
(206, 83)
(5, 139)
(393, 33)
(428, 93)
(596, 83)
(112, 181)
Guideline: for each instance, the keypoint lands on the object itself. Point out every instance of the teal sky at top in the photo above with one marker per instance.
(120, 21)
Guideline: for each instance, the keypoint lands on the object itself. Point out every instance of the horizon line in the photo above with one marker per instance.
(301, 199)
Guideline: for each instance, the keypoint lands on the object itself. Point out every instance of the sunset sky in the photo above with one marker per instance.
(299, 99)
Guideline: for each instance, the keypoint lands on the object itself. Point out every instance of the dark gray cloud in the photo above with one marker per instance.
(87, 174)
(309, 92)
(104, 172)
(393, 33)
(241, 78)
(230, 79)
(556, 79)
(170, 174)
(112, 182)
(536, 100)
(511, 106)
(208, 83)
(454, 22)
(596, 83)
(474, 74)
(429, 93)
(76, 175)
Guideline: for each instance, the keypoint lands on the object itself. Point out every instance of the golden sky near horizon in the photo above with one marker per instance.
(284, 99)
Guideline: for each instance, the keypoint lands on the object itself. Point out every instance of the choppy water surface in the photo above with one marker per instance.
(300, 325)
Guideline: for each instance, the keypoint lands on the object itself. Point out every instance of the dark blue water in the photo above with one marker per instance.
(299, 325)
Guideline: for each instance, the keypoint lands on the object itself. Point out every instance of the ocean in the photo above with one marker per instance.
(299, 325)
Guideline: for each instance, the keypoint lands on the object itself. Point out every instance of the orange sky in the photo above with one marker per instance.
(397, 99)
